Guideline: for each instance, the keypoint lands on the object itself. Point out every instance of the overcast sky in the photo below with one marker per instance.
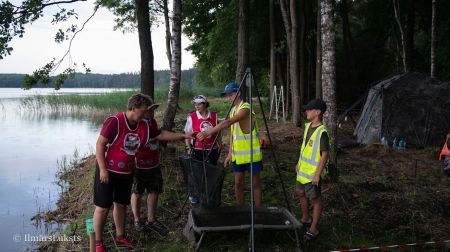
(102, 49)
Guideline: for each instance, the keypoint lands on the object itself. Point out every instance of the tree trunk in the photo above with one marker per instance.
(175, 70)
(286, 22)
(396, 5)
(287, 28)
(349, 59)
(145, 44)
(288, 84)
(409, 43)
(302, 50)
(434, 41)
(167, 23)
(242, 63)
(318, 55)
(294, 66)
(273, 54)
(328, 79)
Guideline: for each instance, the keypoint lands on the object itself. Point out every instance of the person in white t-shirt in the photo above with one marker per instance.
(200, 120)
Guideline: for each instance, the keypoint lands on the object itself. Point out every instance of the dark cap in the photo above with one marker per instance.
(316, 104)
(230, 88)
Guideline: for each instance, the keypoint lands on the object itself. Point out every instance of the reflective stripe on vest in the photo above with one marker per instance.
(241, 151)
(309, 154)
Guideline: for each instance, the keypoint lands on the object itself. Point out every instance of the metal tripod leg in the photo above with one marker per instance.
(182, 207)
(297, 241)
(200, 241)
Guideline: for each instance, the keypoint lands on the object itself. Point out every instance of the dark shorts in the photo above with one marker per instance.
(257, 167)
(213, 157)
(147, 180)
(117, 190)
(311, 191)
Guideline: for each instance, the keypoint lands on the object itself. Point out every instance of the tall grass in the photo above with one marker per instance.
(113, 101)
(97, 106)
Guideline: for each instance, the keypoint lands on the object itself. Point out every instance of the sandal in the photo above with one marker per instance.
(310, 236)
(306, 224)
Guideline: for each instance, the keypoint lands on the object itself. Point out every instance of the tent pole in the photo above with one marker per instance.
(249, 82)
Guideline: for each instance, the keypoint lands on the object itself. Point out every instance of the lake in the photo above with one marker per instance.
(33, 142)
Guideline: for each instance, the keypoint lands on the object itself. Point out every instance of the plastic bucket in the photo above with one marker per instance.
(89, 226)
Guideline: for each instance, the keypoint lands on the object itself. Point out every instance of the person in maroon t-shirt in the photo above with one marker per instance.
(148, 176)
(119, 139)
(199, 120)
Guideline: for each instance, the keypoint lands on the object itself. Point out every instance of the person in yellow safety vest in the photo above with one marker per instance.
(239, 153)
(314, 154)
(445, 155)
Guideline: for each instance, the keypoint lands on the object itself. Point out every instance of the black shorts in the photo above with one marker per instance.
(213, 157)
(117, 190)
(149, 180)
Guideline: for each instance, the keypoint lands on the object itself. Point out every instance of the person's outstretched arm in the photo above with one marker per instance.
(166, 135)
(243, 113)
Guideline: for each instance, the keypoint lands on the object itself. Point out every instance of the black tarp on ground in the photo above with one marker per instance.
(411, 106)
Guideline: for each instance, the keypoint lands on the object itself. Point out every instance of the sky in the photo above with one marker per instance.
(101, 48)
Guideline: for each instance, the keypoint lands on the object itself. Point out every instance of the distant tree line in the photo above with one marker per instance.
(123, 80)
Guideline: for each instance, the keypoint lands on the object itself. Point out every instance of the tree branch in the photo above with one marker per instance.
(74, 35)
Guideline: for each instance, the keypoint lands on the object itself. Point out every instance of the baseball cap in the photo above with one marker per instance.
(152, 105)
(200, 99)
(316, 104)
(230, 88)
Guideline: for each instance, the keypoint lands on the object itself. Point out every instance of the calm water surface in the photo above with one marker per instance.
(31, 144)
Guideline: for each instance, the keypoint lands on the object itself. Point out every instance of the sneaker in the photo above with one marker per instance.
(157, 227)
(139, 226)
(124, 242)
(194, 199)
(100, 248)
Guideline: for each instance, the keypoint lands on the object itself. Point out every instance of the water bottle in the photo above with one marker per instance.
(384, 140)
(402, 144)
(394, 144)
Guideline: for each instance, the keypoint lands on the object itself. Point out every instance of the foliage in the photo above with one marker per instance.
(14, 18)
(212, 26)
(124, 80)
(125, 13)
(375, 42)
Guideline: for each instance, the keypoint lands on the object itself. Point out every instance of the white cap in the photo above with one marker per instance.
(199, 99)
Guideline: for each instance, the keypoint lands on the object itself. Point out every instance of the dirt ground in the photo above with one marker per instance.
(383, 197)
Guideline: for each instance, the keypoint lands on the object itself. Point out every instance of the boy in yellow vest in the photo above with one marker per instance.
(314, 154)
(239, 150)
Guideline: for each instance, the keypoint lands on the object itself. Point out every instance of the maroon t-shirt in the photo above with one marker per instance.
(111, 126)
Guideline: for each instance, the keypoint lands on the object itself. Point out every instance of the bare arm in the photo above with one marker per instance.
(188, 129)
(173, 136)
(243, 113)
(228, 159)
(100, 149)
(323, 160)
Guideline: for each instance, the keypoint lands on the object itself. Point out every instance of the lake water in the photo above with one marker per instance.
(31, 145)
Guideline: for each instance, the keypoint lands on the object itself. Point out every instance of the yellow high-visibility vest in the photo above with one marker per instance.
(241, 141)
(310, 154)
